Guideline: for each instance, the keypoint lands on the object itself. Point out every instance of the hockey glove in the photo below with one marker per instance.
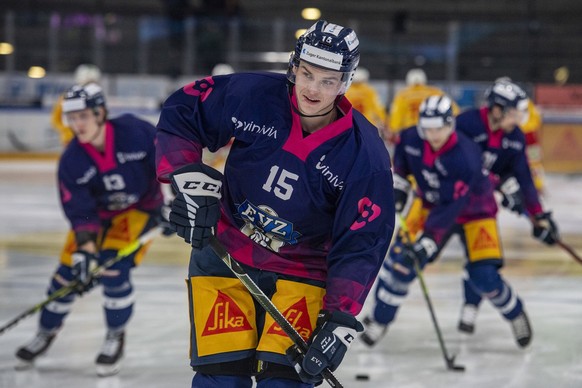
(511, 193)
(83, 263)
(196, 209)
(401, 188)
(422, 251)
(162, 217)
(331, 339)
(545, 229)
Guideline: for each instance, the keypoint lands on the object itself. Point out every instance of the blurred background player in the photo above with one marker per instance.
(494, 128)
(222, 69)
(366, 100)
(84, 74)
(110, 196)
(457, 198)
(304, 204)
(405, 104)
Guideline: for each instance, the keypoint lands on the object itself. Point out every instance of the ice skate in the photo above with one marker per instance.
(109, 359)
(468, 318)
(373, 331)
(521, 329)
(29, 352)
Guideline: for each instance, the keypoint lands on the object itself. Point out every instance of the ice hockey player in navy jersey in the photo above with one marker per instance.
(305, 204)
(503, 146)
(110, 196)
(457, 198)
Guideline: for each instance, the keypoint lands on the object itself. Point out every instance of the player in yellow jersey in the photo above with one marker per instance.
(366, 100)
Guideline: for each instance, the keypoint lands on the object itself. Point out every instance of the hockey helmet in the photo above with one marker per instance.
(415, 77)
(328, 46)
(86, 73)
(435, 112)
(506, 95)
(79, 97)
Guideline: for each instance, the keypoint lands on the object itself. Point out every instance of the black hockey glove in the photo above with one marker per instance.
(512, 198)
(331, 339)
(545, 229)
(196, 209)
(422, 251)
(83, 263)
(401, 188)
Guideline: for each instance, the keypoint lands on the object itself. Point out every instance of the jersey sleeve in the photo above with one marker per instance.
(79, 205)
(360, 238)
(192, 118)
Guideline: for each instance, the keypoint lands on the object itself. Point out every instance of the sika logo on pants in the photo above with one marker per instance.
(226, 317)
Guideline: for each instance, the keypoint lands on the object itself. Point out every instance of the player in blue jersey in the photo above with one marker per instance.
(305, 204)
(503, 145)
(457, 198)
(110, 196)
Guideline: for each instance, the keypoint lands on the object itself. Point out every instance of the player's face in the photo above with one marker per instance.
(85, 124)
(316, 88)
(508, 119)
(437, 137)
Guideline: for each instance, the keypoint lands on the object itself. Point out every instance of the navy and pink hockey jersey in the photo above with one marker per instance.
(95, 186)
(318, 207)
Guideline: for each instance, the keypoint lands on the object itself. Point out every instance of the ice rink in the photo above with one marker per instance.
(32, 231)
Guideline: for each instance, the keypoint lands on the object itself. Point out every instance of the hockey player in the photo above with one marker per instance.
(366, 100)
(84, 74)
(110, 196)
(458, 199)
(302, 205)
(495, 129)
(405, 104)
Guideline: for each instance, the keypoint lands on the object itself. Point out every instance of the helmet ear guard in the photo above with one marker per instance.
(328, 46)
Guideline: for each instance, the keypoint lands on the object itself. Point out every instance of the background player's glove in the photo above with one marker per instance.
(401, 188)
(511, 193)
(83, 263)
(422, 251)
(196, 210)
(163, 220)
(331, 339)
(545, 229)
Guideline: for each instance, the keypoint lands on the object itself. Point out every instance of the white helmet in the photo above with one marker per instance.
(362, 75)
(86, 73)
(415, 77)
(222, 69)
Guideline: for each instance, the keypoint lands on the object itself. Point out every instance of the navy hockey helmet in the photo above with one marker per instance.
(435, 112)
(328, 46)
(506, 95)
(78, 97)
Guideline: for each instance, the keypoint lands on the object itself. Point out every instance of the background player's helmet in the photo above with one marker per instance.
(328, 46)
(362, 75)
(435, 112)
(79, 97)
(222, 69)
(415, 77)
(86, 73)
(506, 95)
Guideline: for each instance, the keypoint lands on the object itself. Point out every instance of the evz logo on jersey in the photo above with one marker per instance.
(489, 159)
(265, 228)
(431, 179)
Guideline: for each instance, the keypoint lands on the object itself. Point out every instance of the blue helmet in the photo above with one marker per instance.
(78, 97)
(435, 112)
(329, 46)
(506, 95)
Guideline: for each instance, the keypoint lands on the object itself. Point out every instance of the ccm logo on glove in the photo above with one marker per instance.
(198, 184)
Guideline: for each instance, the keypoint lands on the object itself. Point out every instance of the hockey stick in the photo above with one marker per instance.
(96, 272)
(267, 304)
(570, 250)
(449, 361)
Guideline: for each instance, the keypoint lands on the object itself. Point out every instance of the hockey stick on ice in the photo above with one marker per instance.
(570, 250)
(96, 272)
(267, 304)
(449, 360)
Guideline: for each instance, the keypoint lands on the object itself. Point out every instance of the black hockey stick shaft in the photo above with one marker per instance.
(96, 272)
(449, 360)
(267, 304)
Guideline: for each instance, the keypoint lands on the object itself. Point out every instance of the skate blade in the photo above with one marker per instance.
(108, 370)
(23, 365)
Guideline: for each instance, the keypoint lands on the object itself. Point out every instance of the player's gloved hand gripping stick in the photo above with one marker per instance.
(77, 284)
(271, 309)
